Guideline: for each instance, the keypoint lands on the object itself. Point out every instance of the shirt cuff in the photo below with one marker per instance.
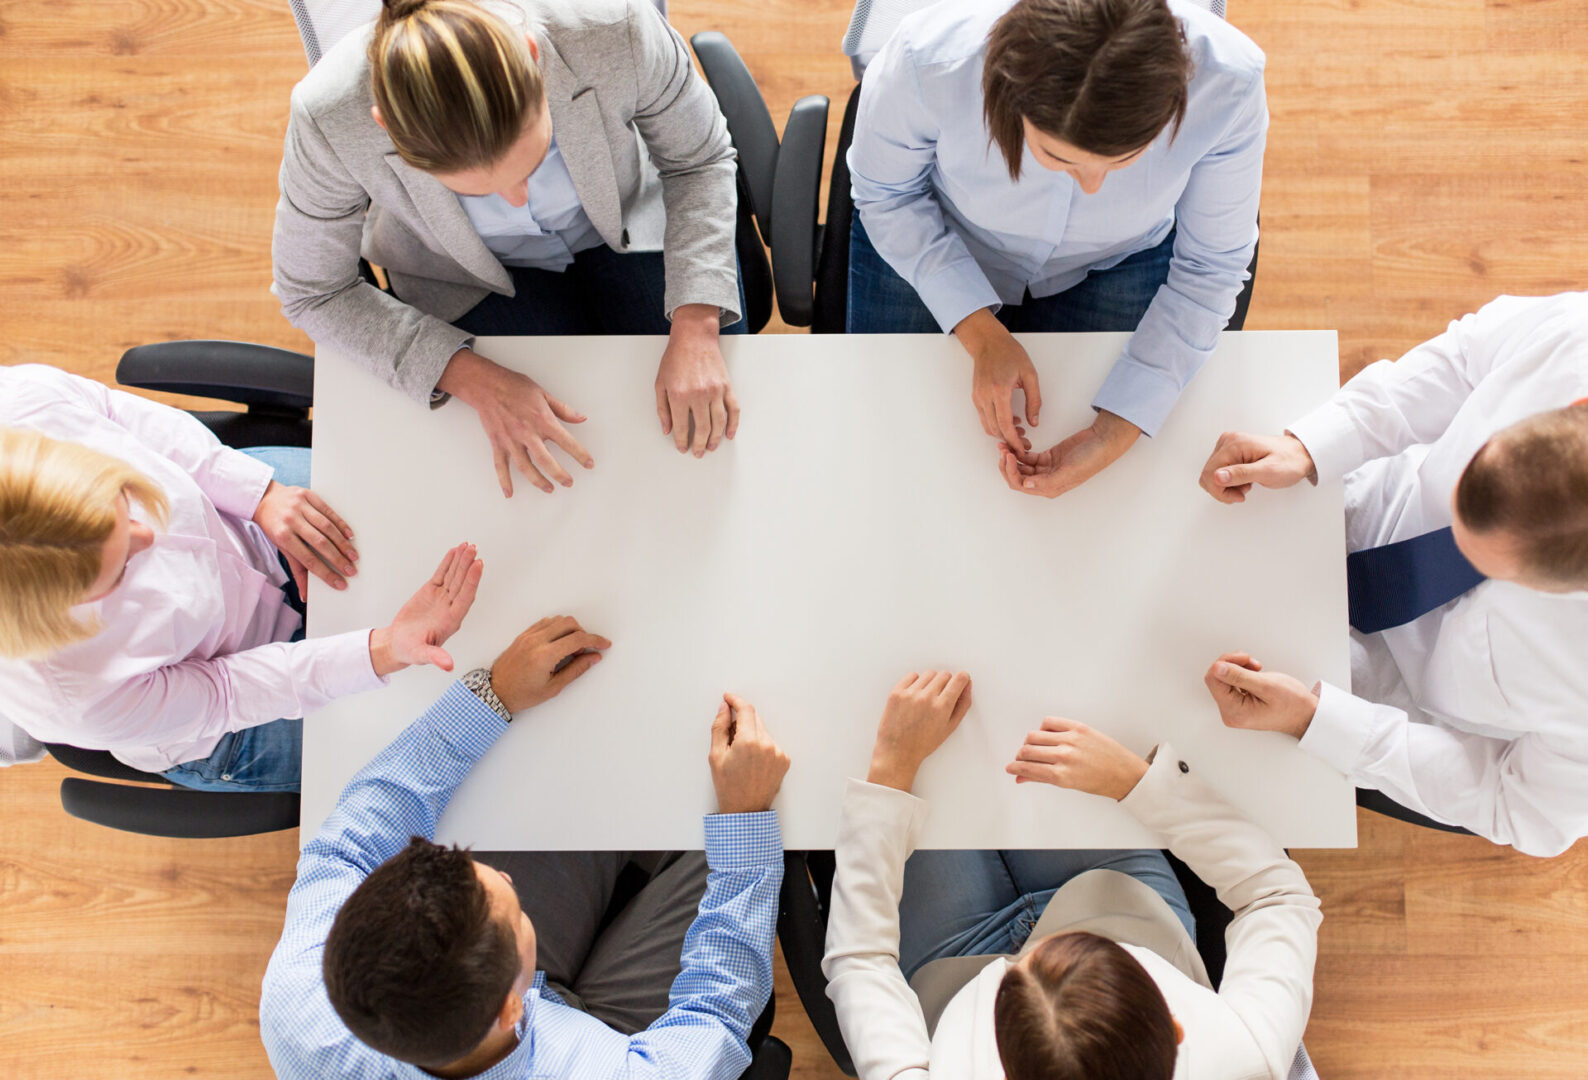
(344, 661)
(1139, 393)
(1156, 792)
(237, 482)
(742, 841)
(1340, 729)
(955, 292)
(1332, 439)
(464, 722)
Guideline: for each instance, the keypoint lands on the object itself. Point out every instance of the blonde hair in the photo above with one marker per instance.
(455, 84)
(57, 509)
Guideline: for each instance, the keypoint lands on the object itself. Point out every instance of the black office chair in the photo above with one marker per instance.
(802, 930)
(810, 259)
(1380, 803)
(277, 387)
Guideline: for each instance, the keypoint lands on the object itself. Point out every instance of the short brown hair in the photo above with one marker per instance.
(415, 964)
(1083, 1009)
(1103, 75)
(1531, 480)
(455, 85)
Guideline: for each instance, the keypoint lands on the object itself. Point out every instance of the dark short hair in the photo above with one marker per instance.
(1084, 1009)
(1531, 482)
(1103, 75)
(415, 964)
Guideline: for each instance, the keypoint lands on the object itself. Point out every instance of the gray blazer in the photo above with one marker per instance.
(619, 83)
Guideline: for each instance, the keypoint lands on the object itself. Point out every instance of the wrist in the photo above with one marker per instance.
(889, 772)
(1115, 429)
(1129, 778)
(1300, 728)
(465, 376)
(1308, 467)
(270, 489)
(696, 320)
(975, 329)
(382, 657)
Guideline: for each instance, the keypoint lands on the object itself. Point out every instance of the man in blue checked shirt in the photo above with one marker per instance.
(403, 958)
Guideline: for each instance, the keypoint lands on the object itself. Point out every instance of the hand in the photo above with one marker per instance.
(692, 383)
(1002, 366)
(747, 767)
(521, 420)
(311, 535)
(1072, 462)
(1250, 698)
(1068, 754)
(543, 660)
(1238, 461)
(430, 617)
(922, 711)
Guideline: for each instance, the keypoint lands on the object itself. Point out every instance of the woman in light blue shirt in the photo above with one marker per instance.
(1059, 165)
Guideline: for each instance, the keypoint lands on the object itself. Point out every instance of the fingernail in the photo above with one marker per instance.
(1221, 668)
(1222, 476)
(347, 569)
(341, 584)
(1029, 484)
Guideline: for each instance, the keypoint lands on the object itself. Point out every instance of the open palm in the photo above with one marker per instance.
(436, 611)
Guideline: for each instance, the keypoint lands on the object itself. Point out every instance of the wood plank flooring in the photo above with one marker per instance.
(1424, 156)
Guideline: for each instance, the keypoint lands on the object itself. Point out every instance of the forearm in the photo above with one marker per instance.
(1520, 792)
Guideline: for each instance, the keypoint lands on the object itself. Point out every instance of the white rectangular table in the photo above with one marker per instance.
(857, 528)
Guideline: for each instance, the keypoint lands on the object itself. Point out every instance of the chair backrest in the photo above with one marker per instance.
(322, 23)
(873, 21)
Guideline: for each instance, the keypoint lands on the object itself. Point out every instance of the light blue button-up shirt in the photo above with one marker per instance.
(544, 233)
(727, 955)
(935, 196)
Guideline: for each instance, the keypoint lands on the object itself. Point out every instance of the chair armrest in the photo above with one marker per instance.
(749, 121)
(796, 194)
(179, 812)
(772, 1061)
(802, 931)
(272, 380)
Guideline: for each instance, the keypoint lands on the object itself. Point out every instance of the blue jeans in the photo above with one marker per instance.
(601, 293)
(882, 302)
(969, 903)
(266, 757)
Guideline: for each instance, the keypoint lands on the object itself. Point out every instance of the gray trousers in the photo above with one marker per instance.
(621, 974)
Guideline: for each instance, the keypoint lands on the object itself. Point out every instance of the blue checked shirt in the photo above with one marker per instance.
(936, 199)
(727, 959)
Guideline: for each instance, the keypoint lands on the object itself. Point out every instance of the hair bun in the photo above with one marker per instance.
(392, 10)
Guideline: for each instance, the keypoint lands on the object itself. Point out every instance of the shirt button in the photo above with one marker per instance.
(1184, 767)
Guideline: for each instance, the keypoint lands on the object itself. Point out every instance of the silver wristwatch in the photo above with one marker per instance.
(478, 683)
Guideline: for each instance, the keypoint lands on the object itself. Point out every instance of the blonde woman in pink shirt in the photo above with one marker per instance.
(151, 582)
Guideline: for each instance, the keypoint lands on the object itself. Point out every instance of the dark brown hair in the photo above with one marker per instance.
(455, 85)
(1105, 76)
(1083, 1009)
(414, 964)
(1531, 480)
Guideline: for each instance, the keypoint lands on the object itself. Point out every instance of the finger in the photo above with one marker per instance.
(565, 413)
(1244, 659)
(680, 421)
(328, 540)
(439, 578)
(463, 599)
(322, 545)
(1235, 475)
(719, 423)
(578, 642)
(1043, 737)
(300, 576)
(1033, 389)
(906, 682)
(700, 414)
(560, 626)
(458, 567)
(1010, 468)
(984, 414)
(1060, 723)
(504, 475)
(576, 667)
(733, 412)
(572, 446)
(547, 462)
(1004, 414)
(1034, 771)
(720, 724)
(939, 683)
(663, 413)
(434, 654)
(342, 527)
(959, 690)
(528, 471)
(1047, 755)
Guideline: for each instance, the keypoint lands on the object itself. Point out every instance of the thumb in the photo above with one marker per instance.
(663, 412)
(1033, 391)
(719, 725)
(435, 654)
(1255, 472)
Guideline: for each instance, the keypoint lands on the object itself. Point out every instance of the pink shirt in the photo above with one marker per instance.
(194, 640)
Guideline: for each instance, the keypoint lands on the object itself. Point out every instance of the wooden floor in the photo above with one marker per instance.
(1425, 155)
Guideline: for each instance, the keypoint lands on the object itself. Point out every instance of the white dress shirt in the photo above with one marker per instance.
(1248, 1030)
(1476, 713)
(194, 640)
(547, 231)
(937, 202)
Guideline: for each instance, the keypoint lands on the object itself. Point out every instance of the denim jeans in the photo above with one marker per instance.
(882, 302)
(266, 757)
(601, 293)
(969, 903)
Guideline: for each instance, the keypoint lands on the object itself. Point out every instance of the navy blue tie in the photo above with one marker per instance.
(1399, 582)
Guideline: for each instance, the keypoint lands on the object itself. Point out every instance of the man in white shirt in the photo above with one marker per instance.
(1471, 706)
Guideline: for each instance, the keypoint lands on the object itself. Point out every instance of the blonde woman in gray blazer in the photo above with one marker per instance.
(516, 167)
